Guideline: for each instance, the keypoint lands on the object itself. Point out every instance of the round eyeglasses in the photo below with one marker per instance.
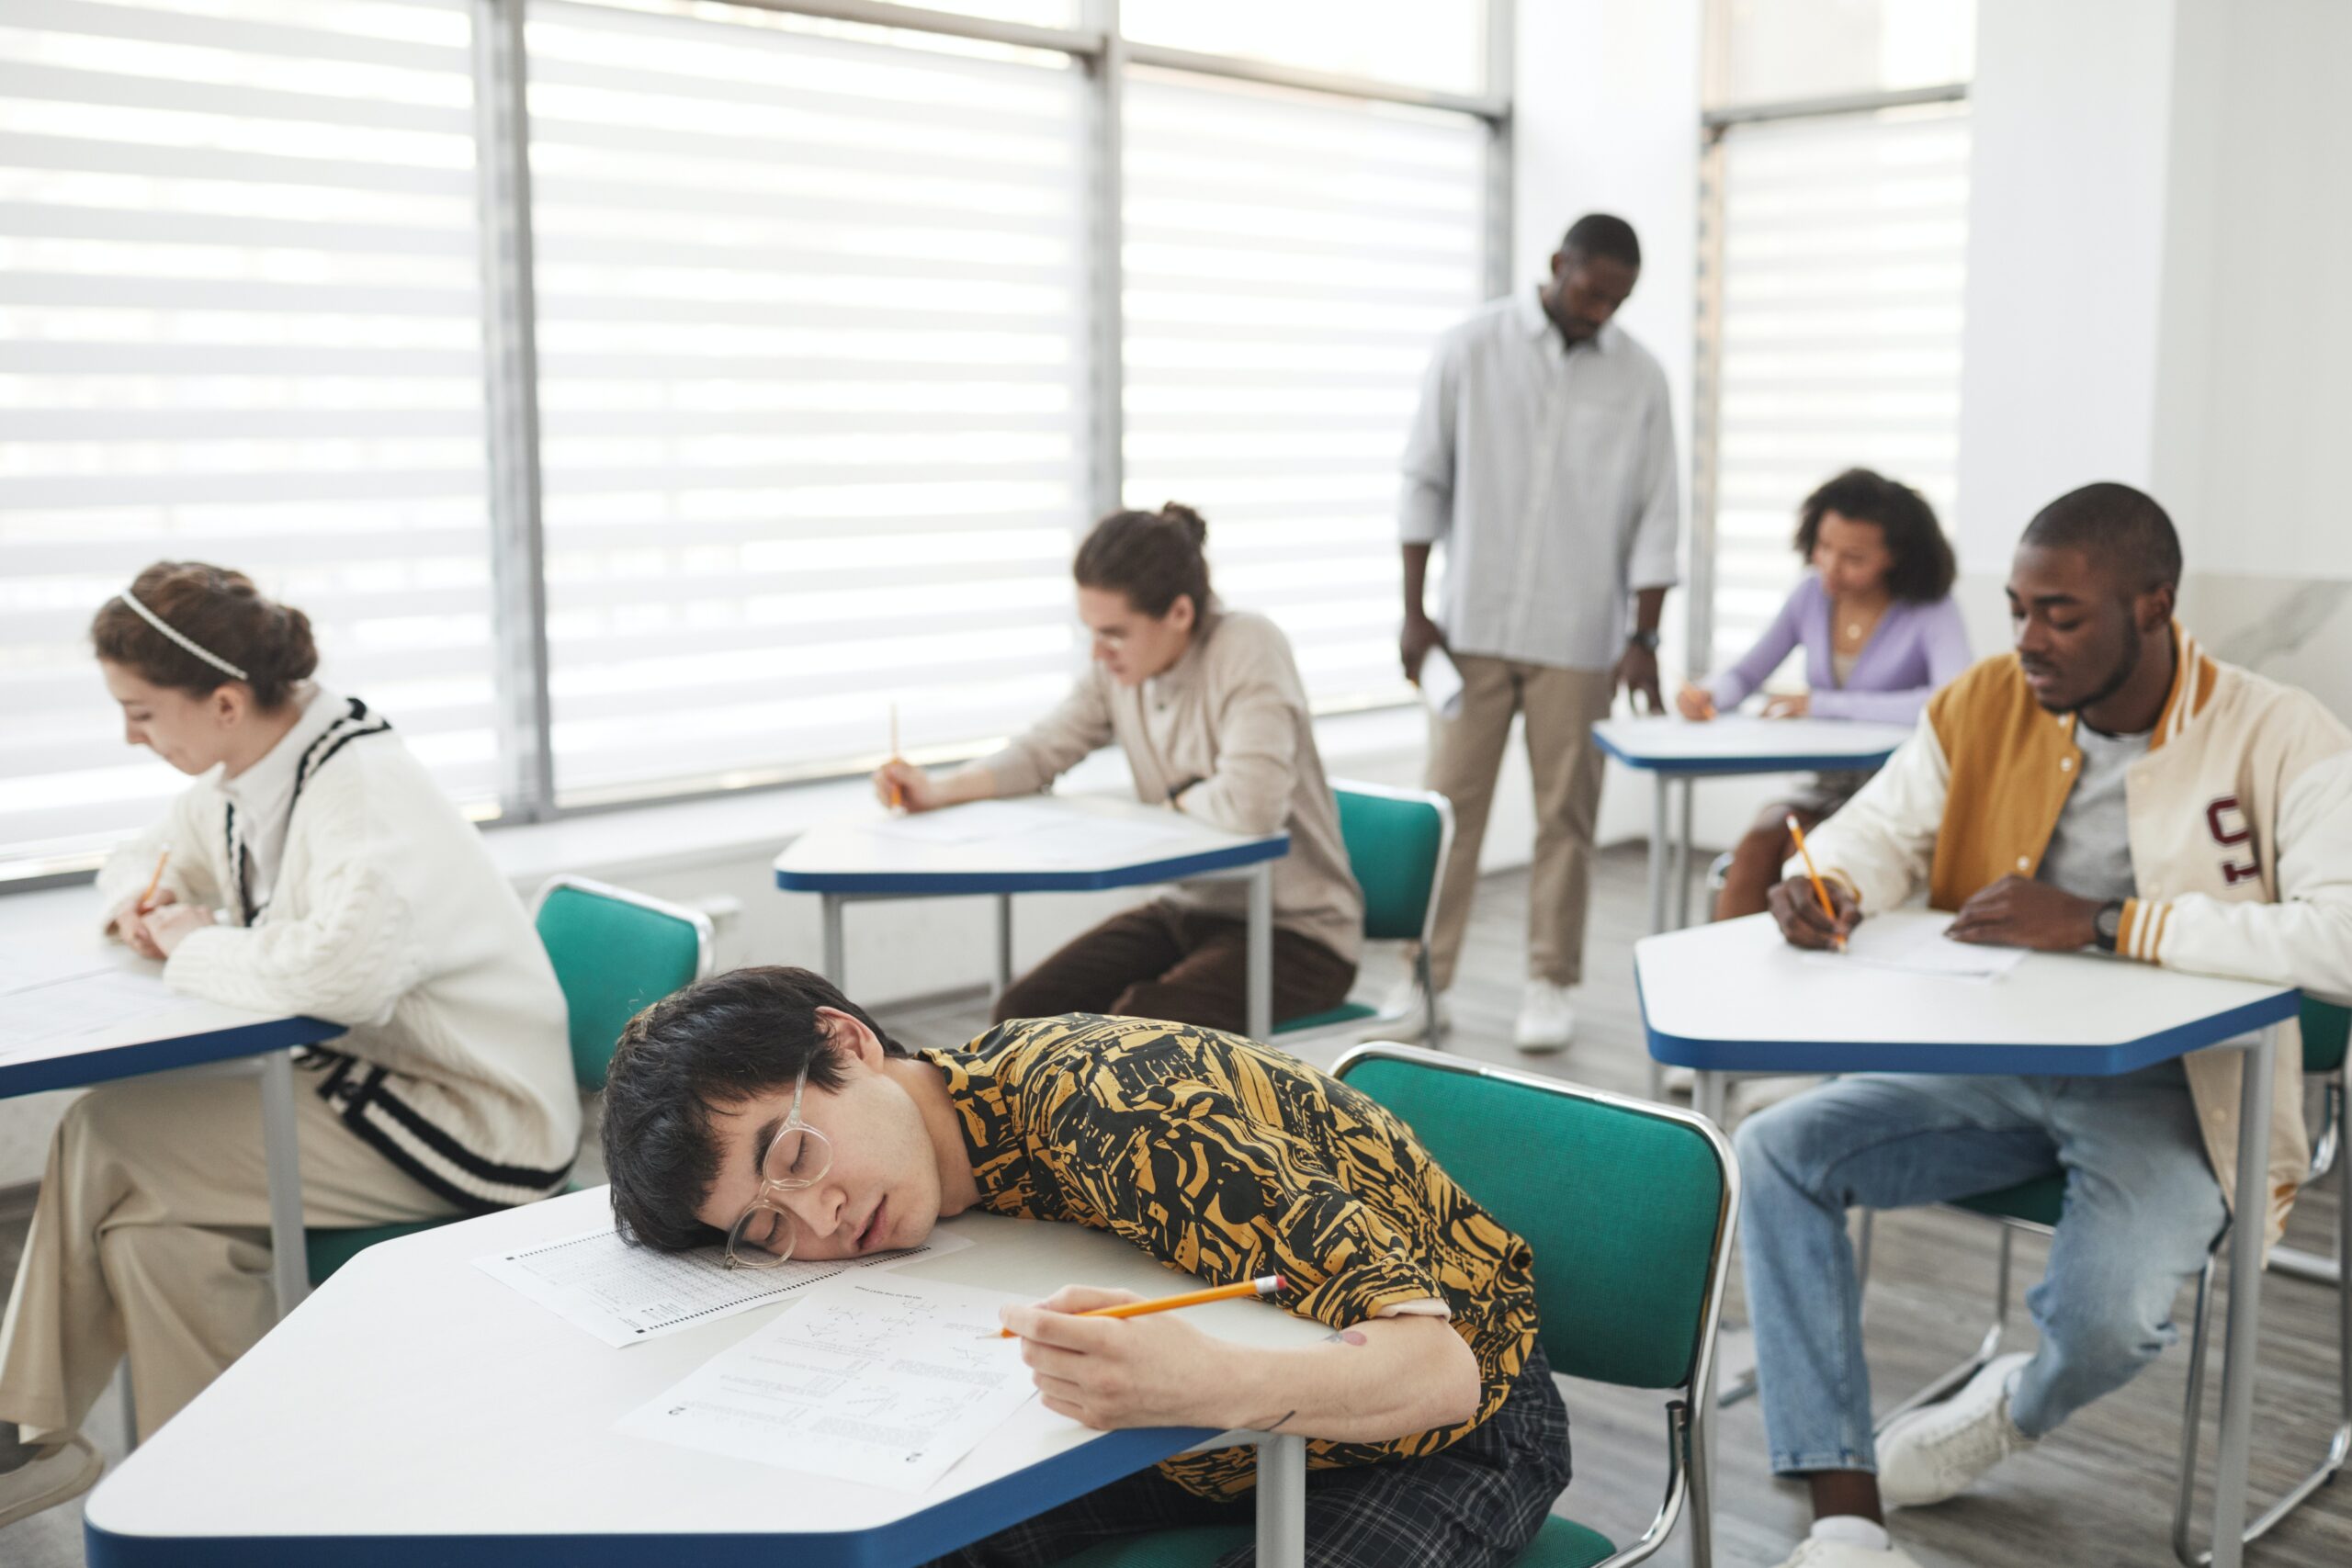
(766, 1233)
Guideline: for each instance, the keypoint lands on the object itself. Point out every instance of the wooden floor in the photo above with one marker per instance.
(2098, 1492)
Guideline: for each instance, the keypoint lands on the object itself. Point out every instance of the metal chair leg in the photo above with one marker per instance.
(130, 1409)
(1986, 1348)
(1435, 1033)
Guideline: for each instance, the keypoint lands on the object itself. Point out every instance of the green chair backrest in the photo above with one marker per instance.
(1395, 845)
(2326, 1027)
(1626, 1207)
(615, 951)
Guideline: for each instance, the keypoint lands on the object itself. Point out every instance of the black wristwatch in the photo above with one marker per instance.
(1642, 640)
(2107, 923)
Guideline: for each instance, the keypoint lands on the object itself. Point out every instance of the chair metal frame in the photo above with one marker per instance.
(1358, 1027)
(1689, 1420)
(2328, 1155)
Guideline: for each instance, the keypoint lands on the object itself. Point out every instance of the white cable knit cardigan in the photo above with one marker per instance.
(388, 916)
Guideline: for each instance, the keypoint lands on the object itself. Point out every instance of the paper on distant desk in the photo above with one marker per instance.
(1441, 683)
(884, 1380)
(1920, 947)
(625, 1294)
(94, 998)
(1037, 833)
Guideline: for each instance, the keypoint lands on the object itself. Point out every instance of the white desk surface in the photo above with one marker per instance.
(59, 927)
(1735, 997)
(1737, 742)
(1080, 839)
(414, 1395)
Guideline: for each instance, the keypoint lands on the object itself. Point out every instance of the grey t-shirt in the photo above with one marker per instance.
(2090, 850)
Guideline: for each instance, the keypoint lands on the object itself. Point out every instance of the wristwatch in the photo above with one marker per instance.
(2107, 923)
(1642, 640)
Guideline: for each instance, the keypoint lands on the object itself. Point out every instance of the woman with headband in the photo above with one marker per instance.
(1208, 705)
(315, 869)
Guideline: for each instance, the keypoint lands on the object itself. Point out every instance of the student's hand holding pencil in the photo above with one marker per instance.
(900, 785)
(1796, 904)
(1111, 1373)
(132, 920)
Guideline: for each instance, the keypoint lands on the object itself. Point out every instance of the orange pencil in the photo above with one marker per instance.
(145, 899)
(1262, 1287)
(1813, 871)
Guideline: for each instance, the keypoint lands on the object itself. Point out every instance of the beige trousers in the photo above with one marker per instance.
(151, 1236)
(1466, 756)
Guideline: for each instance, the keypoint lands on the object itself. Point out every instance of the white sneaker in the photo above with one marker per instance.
(1813, 1552)
(59, 1473)
(1938, 1452)
(1404, 1005)
(1547, 1021)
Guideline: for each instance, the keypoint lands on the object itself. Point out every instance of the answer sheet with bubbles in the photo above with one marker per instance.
(887, 1381)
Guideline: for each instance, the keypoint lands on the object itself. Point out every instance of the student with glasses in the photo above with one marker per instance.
(1207, 705)
(764, 1110)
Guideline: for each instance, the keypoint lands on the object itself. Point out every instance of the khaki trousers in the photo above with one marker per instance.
(151, 1236)
(1466, 756)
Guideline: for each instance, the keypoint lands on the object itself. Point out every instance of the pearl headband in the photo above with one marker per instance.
(181, 638)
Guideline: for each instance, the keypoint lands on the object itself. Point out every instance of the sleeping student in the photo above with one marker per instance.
(764, 1109)
(1880, 632)
(313, 868)
(1208, 705)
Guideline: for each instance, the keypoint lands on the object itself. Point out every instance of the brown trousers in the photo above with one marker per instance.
(1465, 757)
(1161, 960)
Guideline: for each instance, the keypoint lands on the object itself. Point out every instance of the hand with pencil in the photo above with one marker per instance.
(132, 918)
(1815, 911)
(1111, 1359)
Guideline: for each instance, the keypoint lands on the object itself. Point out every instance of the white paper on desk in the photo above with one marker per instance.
(975, 823)
(887, 1381)
(625, 1295)
(1920, 947)
(1441, 683)
(1035, 833)
(56, 1013)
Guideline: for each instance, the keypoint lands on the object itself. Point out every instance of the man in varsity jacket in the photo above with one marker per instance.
(2109, 786)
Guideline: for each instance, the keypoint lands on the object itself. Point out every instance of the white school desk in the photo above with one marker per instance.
(1734, 998)
(1675, 751)
(61, 925)
(417, 1411)
(1135, 846)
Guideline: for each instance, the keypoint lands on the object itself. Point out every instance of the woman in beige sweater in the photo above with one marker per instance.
(1208, 705)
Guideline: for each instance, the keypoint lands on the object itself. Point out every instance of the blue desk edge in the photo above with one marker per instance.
(1873, 1056)
(1760, 762)
(162, 1055)
(1141, 874)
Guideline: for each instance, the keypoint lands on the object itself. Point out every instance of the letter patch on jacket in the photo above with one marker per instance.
(2226, 818)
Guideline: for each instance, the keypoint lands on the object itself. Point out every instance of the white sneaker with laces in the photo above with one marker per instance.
(1815, 1552)
(57, 1474)
(1938, 1453)
(1547, 1021)
(1404, 1003)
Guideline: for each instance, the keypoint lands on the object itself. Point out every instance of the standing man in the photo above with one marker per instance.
(1543, 457)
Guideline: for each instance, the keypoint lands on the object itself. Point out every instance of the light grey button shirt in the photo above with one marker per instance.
(1549, 476)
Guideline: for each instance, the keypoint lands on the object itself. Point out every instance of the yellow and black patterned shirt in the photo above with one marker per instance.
(1218, 1155)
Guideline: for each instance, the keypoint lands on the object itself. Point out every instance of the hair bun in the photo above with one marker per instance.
(1195, 526)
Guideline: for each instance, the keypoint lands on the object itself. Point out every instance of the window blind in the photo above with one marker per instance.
(1291, 261)
(1844, 247)
(811, 333)
(239, 322)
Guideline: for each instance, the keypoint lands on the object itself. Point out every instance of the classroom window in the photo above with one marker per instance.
(1834, 263)
(825, 389)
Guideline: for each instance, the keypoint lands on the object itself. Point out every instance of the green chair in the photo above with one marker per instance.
(614, 952)
(1630, 1214)
(1397, 840)
(2033, 1208)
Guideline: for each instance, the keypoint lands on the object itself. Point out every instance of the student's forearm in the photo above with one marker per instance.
(1367, 1384)
(1417, 571)
(970, 781)
(1649, 607)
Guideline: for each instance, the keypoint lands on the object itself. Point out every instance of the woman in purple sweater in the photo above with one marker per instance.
(1880, 633)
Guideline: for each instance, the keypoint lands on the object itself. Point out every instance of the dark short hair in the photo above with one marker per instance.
(2113, 523)
(709, 1047)
(1604, 235)
(219, 611)
(1924, 568)
(1153, 557)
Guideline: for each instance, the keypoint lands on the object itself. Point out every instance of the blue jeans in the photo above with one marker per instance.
(2141, 1208)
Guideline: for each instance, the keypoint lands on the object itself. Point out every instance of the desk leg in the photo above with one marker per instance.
(1261, 951)
(830, 904)
(288, 1267)
(1684, 853)
(1282, 1502)
(2245, 1299)
(1003, 946)
(1708, 1095)
(1658, 787)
